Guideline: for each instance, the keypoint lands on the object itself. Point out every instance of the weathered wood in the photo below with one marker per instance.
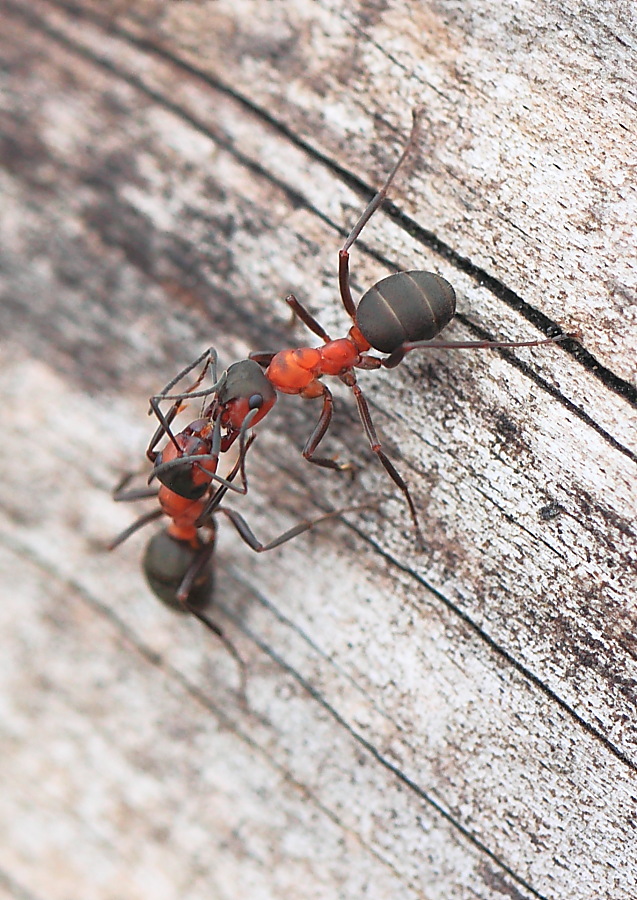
(449, 723)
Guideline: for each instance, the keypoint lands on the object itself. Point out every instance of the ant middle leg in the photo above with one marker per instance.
(307, 318)
(319, 433)
(123, 494)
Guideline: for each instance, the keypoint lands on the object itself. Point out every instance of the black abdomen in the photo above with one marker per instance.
(405, 307)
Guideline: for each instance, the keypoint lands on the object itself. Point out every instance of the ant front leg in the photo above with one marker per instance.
(343, 282)
(307, 318)
(209, 360)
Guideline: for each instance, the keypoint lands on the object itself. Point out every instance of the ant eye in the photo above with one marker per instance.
(255, 401)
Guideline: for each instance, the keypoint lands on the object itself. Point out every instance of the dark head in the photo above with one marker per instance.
(405, 307)
(246, 388)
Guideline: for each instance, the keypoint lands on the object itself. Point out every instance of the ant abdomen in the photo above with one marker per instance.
(167, 560)
(405, 307)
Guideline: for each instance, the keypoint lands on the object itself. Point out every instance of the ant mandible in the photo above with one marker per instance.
(400, 313)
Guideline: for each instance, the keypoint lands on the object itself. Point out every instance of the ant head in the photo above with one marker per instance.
(166, 563)
(246, 389)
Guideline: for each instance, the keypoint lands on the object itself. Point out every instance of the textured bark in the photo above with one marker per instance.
(456, 721)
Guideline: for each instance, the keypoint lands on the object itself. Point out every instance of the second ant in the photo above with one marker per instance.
(400, 313)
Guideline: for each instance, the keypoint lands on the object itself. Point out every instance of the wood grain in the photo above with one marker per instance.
(452, 722)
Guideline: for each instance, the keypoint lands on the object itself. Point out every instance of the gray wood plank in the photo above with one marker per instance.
(451, 722)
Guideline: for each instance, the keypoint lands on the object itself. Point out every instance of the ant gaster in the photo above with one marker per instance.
(401, 313)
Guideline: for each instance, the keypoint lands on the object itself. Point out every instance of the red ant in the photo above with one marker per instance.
(178, 562)
(401, 313)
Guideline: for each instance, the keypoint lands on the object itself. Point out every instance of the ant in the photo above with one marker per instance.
(400, 313)
(178, 561)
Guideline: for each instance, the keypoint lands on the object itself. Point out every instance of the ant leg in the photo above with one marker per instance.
(190, 394)
(201, 560)
(368, 212)
(248, 536)
(374, 443)
(219, 494)
(143, 520)
(264, 359)
(343, 284)
(198, 564)
(210, 357)
(319, 433)
(197, 461)
(166, 420)
(163, 429)
(307, 318)
(232, 650)
(121, 495)
(183, 461)
(397, 355)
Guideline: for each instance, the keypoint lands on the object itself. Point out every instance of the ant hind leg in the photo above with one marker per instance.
(376, 446)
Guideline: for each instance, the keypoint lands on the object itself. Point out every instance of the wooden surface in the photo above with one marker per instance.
(456, 722)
